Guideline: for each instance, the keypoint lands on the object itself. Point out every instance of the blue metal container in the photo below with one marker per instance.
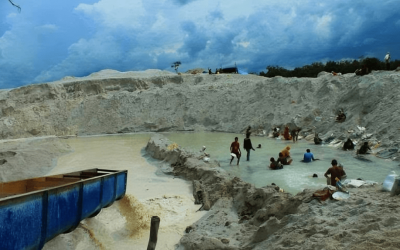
(34, 211)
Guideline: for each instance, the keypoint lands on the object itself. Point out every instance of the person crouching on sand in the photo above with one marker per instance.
(235, 149)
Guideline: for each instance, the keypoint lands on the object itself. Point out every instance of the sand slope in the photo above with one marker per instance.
(119, 102)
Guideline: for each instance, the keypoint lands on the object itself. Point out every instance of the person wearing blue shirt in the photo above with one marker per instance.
(308, 157)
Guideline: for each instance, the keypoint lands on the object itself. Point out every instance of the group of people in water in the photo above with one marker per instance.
(287, 133)
(235, 147)
(336, 172)
(285, 159)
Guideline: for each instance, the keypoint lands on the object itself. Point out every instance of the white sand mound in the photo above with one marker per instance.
(120, 102)
(110, 73)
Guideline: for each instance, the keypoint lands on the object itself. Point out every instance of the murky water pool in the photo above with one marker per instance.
(293, 178)
(163, 195)
(125, 224)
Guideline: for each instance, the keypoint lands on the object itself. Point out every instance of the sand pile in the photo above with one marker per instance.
(29, 158)
(119, 102)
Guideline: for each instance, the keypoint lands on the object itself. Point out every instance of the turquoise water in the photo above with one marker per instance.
(293, 178)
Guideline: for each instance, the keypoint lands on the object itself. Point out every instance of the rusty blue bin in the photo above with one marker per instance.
(34, 211)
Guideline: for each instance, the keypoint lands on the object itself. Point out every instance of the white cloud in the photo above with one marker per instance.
(323, 26)
(115, 13)
(244, 44)
(78, 38)
(46, 28)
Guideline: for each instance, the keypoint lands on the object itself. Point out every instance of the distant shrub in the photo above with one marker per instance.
(344, 67)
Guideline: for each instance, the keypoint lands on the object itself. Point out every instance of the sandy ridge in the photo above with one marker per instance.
(122, 102)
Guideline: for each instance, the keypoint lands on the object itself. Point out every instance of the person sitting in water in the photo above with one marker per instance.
(276, 133)
(286, 151)
(308, 156)
(341, 116)
(275, 164)
(259, 146)
(317, 140)
(334, 172)
(364, 148)
(284, 160)
(348, 145)
(286, 134)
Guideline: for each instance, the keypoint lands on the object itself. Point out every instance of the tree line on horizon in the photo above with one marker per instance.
(344, 66)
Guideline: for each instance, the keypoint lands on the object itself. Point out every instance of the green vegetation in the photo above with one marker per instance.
(343, 67)
(176, 65)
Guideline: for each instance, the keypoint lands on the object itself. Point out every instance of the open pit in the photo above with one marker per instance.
(36, 121)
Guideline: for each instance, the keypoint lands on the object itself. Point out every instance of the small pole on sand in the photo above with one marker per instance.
(155, 223)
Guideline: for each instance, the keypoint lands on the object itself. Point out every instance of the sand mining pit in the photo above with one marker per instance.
(244, 217)
(240, 216)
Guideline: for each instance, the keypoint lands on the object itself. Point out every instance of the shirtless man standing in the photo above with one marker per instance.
(235, 149)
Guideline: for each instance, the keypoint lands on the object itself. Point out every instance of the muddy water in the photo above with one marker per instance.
(125, 224)
(292, 178)
(119, 152)
(149, 192)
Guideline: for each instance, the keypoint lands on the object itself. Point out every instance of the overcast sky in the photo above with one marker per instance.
(51, 39)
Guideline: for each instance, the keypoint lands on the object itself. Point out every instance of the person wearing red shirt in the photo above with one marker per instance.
(235, 149)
